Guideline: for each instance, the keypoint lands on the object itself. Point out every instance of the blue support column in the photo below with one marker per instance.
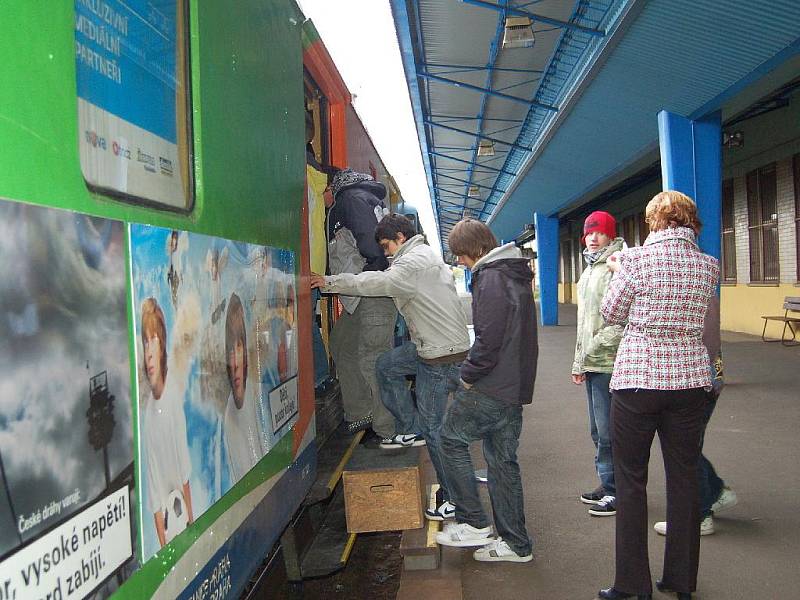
(547, 273)
(691, 162)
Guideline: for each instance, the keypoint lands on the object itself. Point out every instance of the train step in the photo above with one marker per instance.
(332, 544)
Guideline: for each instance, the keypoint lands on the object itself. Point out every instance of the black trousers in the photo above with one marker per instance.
(677, 416)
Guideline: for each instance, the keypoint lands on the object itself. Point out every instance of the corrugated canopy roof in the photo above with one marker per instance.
(580, 105)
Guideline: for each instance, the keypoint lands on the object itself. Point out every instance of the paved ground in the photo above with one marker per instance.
(753, 440)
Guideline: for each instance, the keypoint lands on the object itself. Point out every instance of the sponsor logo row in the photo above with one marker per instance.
(164, 165)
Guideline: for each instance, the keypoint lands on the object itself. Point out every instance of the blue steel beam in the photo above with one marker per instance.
(479, 68)
(480, 135)
(485, 187)
(462, 118)
(475, 88)
(534, 17)
(467, 162)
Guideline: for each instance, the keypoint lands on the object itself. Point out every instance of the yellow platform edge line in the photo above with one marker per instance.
(433, 526)
(348, 548)
(342, 463)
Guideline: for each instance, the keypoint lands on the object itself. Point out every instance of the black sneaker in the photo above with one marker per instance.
(364, 423)
(607, 507)
(371, 440)
(593, 497)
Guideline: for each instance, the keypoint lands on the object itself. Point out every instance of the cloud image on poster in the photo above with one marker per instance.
(66, 436)
(216, 361)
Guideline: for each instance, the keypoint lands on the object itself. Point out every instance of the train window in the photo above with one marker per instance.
(317, 104)
(134, 117)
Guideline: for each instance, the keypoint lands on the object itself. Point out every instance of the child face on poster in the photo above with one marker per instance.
(154, 339)
(236, 349)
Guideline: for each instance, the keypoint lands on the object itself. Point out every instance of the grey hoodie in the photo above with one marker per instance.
(424, 291)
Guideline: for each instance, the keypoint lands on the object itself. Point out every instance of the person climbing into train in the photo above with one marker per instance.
(596, 346)
(365, 329)
(494, 382)
(424, 291)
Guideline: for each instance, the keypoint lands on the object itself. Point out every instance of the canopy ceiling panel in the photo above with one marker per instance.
(475, 100)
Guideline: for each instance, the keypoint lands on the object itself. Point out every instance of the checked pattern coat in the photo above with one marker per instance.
(662, 290)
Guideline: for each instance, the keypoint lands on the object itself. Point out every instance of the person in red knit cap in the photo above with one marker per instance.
(595, 350)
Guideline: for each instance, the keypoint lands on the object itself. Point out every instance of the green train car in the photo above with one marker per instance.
(157, 407)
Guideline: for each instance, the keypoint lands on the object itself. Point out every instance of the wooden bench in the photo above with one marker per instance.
(791, 304)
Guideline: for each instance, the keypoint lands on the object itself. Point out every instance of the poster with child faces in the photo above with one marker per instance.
(216, 361)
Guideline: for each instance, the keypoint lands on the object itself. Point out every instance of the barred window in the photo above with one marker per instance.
(629, 230)
(796, 171)
(644, 228)
(577, 246)
(762, 222)
(728, 233)
(566, 262)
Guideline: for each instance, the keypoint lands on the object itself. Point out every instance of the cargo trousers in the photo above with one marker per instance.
(357, 340)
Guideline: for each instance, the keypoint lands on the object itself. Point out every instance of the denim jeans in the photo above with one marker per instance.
(599, 397)
(710, 483)
(319, 355)
(426, 417)
(475, 416)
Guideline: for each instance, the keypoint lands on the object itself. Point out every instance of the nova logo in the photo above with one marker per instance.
(119, 150)
(95, 140)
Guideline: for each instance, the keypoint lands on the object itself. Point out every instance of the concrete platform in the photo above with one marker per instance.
(753, 440)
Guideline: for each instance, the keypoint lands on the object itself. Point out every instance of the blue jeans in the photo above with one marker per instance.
(599, 397)
(319, 355)
(426, 417)
(475, 416)
(710, 483)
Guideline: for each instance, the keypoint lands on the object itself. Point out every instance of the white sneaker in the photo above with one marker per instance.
(463, 535)
(706, 526)
(402, 440)
(727, 499)
(498, 550)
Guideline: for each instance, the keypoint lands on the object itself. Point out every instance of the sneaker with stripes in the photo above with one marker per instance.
(402, 440)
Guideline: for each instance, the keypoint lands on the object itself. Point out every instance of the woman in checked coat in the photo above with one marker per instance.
(662, 290)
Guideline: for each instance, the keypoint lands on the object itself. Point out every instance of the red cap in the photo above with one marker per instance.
(599, 221)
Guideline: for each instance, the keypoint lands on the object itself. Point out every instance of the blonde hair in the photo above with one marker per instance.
(672, 209)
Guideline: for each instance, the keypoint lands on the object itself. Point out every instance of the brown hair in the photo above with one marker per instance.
(153, 324)
(471, 238)
(672, 209)
(235, 331)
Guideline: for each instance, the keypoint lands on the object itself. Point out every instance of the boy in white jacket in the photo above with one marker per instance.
(422, 287)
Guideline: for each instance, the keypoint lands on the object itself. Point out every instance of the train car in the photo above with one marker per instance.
(157, 414)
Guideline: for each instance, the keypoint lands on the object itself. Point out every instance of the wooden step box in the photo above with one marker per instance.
(389, 499)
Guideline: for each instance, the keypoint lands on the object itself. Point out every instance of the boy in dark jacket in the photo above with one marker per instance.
(365, 329)
(497, 378)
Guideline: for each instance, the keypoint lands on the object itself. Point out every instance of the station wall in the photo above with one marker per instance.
(771, 145)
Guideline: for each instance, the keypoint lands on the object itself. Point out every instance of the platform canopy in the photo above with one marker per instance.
(566, 109)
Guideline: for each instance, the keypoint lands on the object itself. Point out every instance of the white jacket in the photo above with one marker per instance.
(424, 292)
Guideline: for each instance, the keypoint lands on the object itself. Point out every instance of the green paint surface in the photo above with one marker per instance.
(249, 164)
